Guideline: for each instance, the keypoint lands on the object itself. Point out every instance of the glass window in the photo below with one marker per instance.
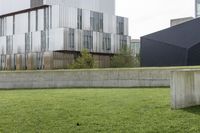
(120, 25)
(123, 42)
(79, 22)
(198, 9)
(106, 41)
(71, 38)
(88, 40)
(96, 21)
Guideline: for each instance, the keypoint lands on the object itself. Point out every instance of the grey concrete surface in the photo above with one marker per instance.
(85, 78)
(185, 88)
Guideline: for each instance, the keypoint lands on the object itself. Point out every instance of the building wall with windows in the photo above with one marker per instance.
(197, 8)
(59, 27)
(135, 46)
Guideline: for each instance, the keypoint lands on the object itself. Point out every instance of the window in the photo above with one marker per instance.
(120, 25)
(88, 40)
(106, 41)
(79, 22)
(96, 21)
(123, 42)
(198, 9)
(71, 38)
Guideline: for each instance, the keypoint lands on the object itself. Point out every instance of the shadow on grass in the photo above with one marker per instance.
(193, 110)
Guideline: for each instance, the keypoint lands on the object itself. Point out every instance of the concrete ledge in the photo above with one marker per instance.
(86, 78)
(185, 88)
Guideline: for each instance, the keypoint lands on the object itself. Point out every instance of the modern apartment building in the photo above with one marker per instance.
(49, 34)
(197, 8)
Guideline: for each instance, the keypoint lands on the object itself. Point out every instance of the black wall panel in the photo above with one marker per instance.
(154, 53)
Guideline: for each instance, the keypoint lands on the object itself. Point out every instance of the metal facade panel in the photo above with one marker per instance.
(86, 20)
(9, 44)
(113, 43)
(68, 17)
(56, 39)
(21, 23)
(36, 41)
(184, 35)
(194, 55)
(79, 40)
(95, 41)
(106, 6)
(3, 45)
(109, 23)
(55, 16)
(126, 26)
(18, 43)
(76, 40)
(0, 62)
(155, 53)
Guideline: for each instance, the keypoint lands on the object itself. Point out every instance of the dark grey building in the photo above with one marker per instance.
(176, 46)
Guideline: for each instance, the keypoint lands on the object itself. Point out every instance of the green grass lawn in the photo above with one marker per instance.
(94, 110)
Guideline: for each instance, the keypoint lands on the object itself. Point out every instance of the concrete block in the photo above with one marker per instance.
(185, 88)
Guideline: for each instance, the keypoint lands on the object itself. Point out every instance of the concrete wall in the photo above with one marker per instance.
(86, 78)
(185, 88)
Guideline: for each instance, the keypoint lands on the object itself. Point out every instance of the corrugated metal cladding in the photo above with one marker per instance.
(175, 46)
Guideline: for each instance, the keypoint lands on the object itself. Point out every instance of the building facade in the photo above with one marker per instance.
(32, 31)
(197, 8)
(135, 47)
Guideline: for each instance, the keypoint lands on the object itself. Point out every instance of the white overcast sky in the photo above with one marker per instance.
(148, 16)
